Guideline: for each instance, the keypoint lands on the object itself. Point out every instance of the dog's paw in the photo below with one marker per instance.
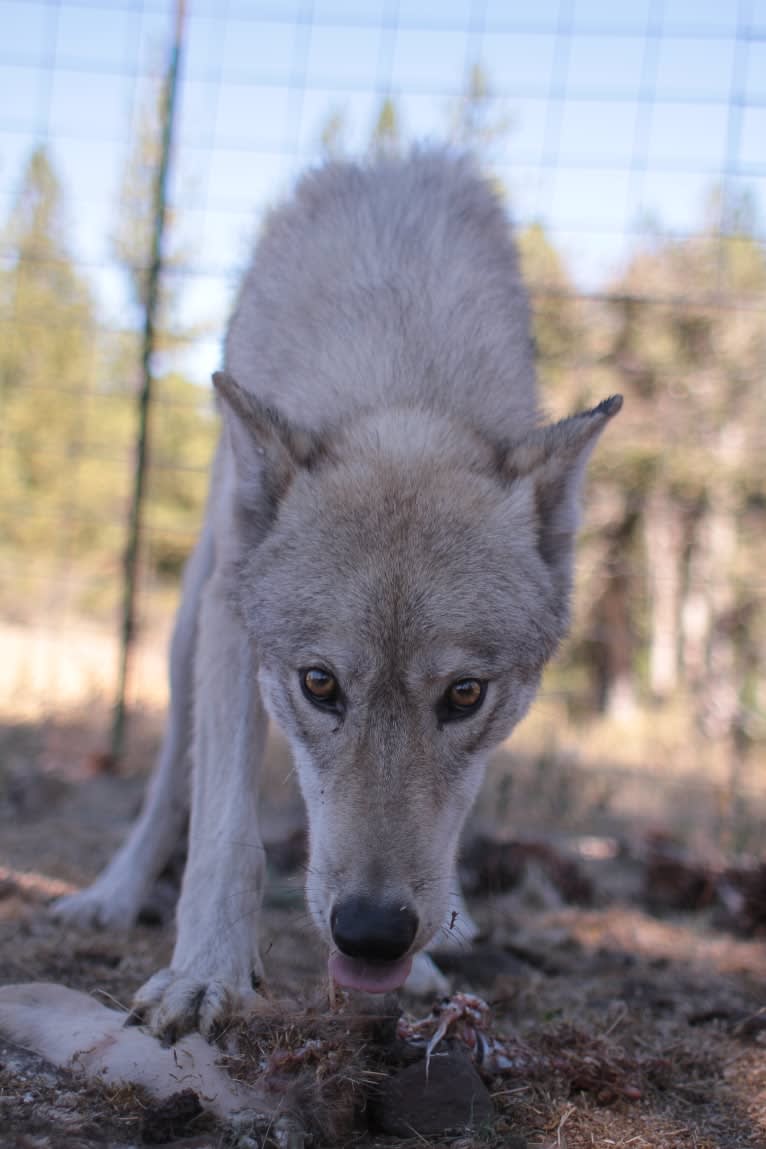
(172, 1004)
(425, 978)
(97, 907)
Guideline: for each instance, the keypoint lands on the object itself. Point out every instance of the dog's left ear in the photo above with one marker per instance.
(268, 451)
(552, 460)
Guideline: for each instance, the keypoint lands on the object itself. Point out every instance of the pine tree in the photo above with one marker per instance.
(48, 373)
(685, 339)
(386, 137)
(182, 431)
(131, 239)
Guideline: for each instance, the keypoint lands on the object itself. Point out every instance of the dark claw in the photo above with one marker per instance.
(169, 1036)
(135, 1017)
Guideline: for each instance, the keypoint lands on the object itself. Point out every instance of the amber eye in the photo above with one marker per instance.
(320, 686)
(465, 695)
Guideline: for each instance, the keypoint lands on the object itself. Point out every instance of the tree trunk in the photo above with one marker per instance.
(708, 613)
(613, 640)
(664, 537)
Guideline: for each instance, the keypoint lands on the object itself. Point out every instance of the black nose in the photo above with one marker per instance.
(362, 928)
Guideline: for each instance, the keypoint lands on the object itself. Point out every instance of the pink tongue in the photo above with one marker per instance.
(370, 976)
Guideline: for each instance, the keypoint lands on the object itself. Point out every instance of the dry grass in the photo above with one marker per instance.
(636, 1029)
(627, 1030)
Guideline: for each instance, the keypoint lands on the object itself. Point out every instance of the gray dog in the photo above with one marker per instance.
(384, 568)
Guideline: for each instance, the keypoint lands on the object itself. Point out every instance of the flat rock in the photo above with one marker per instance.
(452, 1096)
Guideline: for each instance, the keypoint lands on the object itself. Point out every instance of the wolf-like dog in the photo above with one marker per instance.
(384, 568)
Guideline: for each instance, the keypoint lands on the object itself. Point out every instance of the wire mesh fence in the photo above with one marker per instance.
(629, 142)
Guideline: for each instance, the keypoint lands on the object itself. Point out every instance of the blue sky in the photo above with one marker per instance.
(620, 113)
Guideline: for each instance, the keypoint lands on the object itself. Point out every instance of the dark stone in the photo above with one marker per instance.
(171, 1118)
(453, 1096)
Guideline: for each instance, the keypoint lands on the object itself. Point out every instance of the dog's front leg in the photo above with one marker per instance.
(116, 898)
(216, 963)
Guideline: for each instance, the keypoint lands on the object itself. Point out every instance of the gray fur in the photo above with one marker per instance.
(385, 505)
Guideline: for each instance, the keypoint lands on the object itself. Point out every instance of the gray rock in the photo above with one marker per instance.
(453, 1096)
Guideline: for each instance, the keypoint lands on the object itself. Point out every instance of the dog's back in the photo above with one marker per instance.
(392, 284)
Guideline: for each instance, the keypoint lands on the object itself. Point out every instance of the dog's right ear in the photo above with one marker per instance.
(268, 451)
(551, 461)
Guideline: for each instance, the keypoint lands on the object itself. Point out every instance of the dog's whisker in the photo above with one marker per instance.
(241, 843)
(245, 891)
(454, 938)
(232, 923)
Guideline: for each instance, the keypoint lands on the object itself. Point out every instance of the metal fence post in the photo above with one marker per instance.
(130, 562)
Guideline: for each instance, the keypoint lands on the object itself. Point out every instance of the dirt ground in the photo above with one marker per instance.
(638, 1030)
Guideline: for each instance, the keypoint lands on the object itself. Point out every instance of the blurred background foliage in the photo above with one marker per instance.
(672, 558)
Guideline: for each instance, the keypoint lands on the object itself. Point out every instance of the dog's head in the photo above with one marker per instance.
(404, 581)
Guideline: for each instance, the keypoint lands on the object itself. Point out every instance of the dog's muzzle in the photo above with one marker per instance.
(372, 941)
